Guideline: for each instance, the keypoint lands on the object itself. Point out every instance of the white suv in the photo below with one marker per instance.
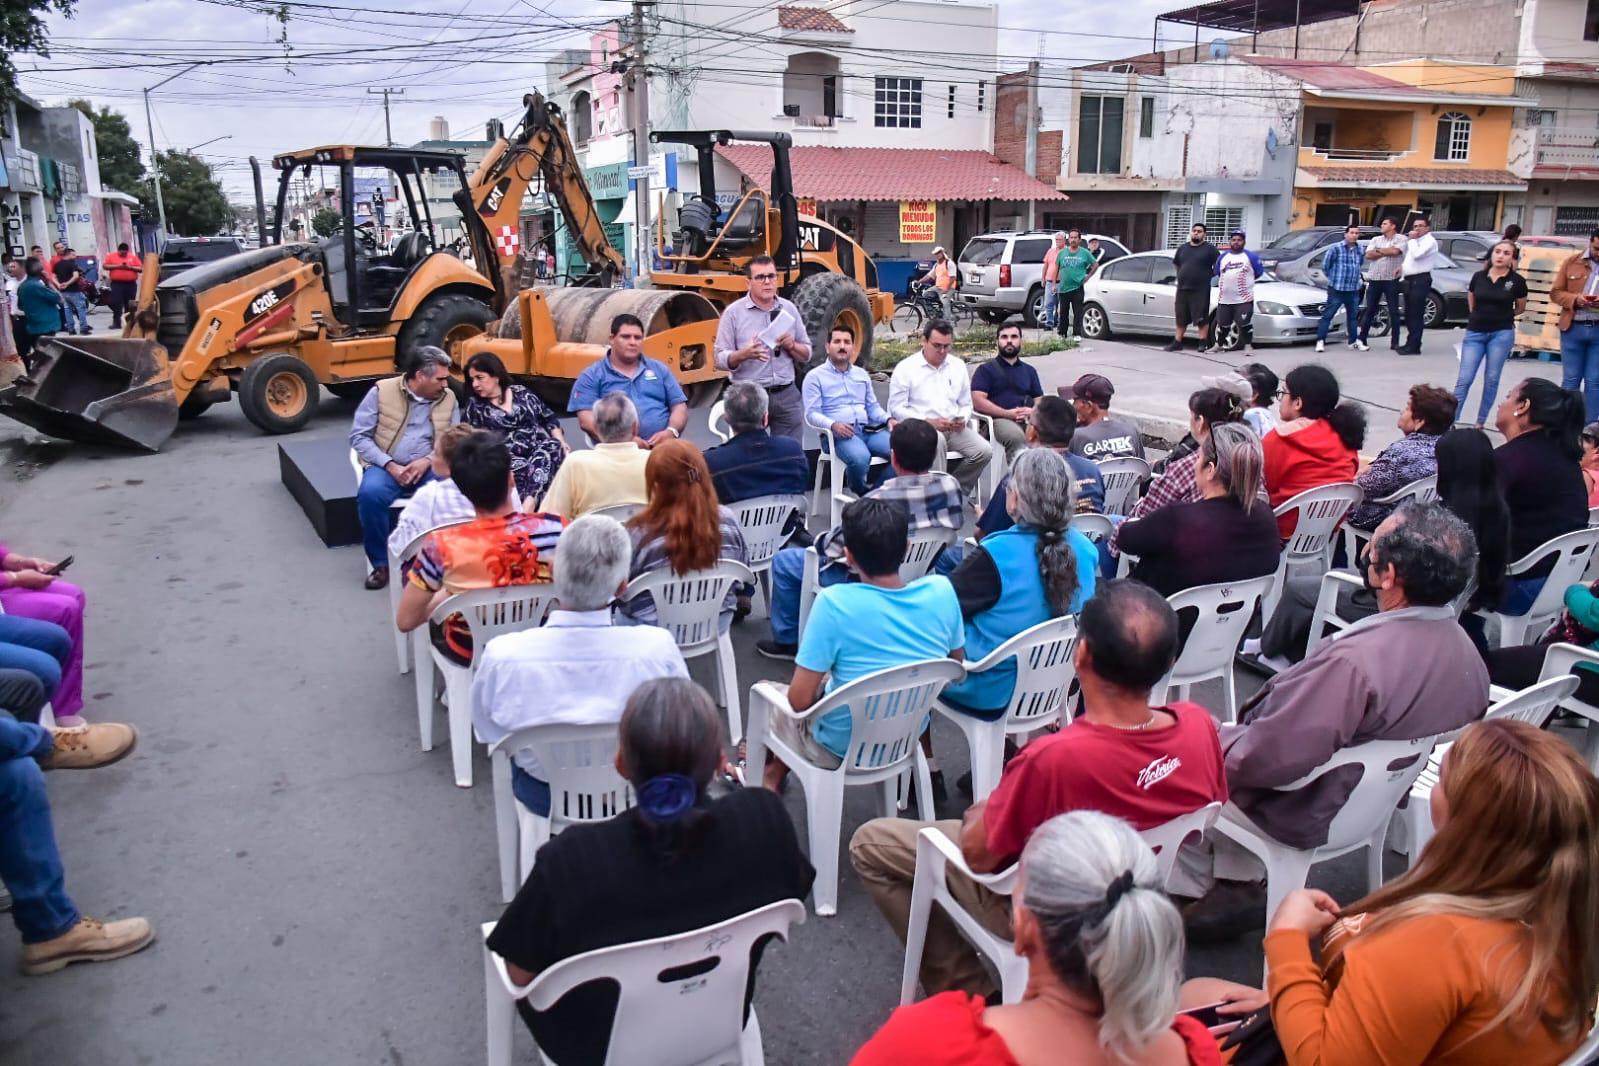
(1002, 274)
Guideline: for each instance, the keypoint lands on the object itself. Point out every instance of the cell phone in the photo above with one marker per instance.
(62, 565)
(1209, 1016)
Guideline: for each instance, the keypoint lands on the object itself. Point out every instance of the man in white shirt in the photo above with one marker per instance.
(935, 386)
(575, 669)
(1236, 271)
(439, 502)
(1421, 255)
(607, 475)
(1385, 255)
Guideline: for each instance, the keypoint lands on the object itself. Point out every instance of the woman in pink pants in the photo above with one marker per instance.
(27, 591)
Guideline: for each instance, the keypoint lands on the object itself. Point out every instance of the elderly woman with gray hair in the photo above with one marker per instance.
(1038, 569)
(1104, 950)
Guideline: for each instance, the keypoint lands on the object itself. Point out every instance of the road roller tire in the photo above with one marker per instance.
(825, 300)
(278, 393)
(444, 321)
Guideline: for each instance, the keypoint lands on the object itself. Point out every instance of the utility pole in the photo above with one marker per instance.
(388, 130)
(155, 162)
(641, 137)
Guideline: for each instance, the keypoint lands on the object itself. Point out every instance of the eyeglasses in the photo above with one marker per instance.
(935, 346)
(763, 277)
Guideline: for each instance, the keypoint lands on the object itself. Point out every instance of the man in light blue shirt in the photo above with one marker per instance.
(839, 396)
(650, 384)
(861, 627)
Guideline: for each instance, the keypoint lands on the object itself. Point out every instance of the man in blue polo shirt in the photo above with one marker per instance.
(662, 406)
(1005, 389)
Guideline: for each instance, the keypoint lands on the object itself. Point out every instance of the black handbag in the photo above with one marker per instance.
(1254, 1042)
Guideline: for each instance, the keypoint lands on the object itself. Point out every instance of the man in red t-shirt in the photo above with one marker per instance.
(1123, 757)
(123, 268)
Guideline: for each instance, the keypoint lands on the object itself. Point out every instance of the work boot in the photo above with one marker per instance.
(91, 940)
(88, 746)
(378, 578)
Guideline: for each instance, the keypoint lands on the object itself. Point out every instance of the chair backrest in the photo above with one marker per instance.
(619, 511)
(1377, 795)
(1572, 553)
(414, 545)
(1593, 516)
(491, 612)
(1043, 658)
(887, 709)
(690, 605)
(681, 997)
(718, 421)
(1320, 510)
(764, 520)
(923, 549)
(355, 464)
(1094, 526)
(1224, 613)
(1423, 489)
(1122, 477)
(1167, 838)
(579, 764)
(1535, 704)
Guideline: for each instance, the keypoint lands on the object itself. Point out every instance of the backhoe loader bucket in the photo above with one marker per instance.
(103, 390)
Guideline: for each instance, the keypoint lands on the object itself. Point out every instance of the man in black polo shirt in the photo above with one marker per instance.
(1196, 265)
(1005, 388)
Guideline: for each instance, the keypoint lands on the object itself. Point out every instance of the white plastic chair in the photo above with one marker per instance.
(394, 508)
(1572, 552)
(578, 762)
(1095, 527)
(47, 714)
(830, 475)
(1362, 822)
(717, 421)
(1122, 476)
(920, 552)
(1593, 516)
(1587, 1052)
(690, 607)
(619, 511)
(1559, 660)
(488, 614)
(405, 644)
(764, 520)
(1422, 489)
(1318, 513)
(696, 1019)
(1325, 619)
(887, 712)
(996, 459)
(1042, 656)
(936, 855)
(1534, 705)
(1224, 613)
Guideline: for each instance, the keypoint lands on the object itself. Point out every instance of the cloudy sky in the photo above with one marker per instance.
(467, 60)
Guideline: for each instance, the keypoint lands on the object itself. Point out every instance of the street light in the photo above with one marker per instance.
(213, 140)
(155, 163)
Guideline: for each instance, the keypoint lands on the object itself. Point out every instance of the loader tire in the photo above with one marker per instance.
(278, 393)
(444, 321)
(826, 300)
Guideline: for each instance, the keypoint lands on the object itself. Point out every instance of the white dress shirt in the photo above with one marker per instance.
(437, 503)
(917, 389)
(575, 669)
(1421, 255)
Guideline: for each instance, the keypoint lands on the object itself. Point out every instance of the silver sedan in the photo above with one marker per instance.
(1137, 294)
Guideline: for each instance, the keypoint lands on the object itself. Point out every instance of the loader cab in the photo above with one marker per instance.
(385, 227)
(758, 223)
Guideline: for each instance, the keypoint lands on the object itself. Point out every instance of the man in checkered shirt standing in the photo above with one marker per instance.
(1342, 265)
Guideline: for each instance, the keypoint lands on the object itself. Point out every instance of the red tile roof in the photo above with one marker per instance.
(822, 173)
(810, 18)
(1408, 176)
(1323, 75)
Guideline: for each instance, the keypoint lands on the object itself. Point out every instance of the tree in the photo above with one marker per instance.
(22, 30)
(326, 222)
(195, 203)
(120, 165)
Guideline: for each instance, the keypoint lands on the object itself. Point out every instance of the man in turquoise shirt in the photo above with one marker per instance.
(1075, 264)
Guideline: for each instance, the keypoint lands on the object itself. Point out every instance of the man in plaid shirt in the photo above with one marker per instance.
(930, 498)
(1341, 264)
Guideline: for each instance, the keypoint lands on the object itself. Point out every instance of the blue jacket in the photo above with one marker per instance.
(756, 463)
(41, 306)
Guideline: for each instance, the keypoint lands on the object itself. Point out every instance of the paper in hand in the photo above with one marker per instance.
(783, 323)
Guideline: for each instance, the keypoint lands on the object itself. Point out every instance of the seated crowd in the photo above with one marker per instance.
(1482, 953)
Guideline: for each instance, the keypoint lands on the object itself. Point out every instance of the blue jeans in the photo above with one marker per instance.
(1349, 300)
(76, 311)
(30, 864)
(530, 792)
(857, 453)
(1495, 346)
(1579, 363)
(788, 577)
(374, 497)
(948, 559)
(40, 648)
(1049, 307)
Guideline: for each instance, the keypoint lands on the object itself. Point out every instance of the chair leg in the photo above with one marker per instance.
(925, 886)
(988, 759)
(924, 783)
(824, 818)
(501, 1013)
(749, 1042)
(47, 716)
(1229, 693)
(460, 712)
(1286, 870)
(423, 676)
(1418, 817)
(727, 673)
(1374, 850)
(765, 578)
(505, 823)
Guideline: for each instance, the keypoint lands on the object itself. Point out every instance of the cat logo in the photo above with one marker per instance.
(810, 236)
(496, 197)
(210, 335)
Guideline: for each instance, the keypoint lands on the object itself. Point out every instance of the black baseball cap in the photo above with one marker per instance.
(1095, 388)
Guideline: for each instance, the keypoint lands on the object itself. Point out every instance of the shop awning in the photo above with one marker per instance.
(842, 174)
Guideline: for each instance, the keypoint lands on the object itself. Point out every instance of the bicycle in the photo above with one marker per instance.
(923, 305)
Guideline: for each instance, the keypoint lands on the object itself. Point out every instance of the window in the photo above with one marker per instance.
(982, 91)
(1031, 250)
(1321, 135)
(1099, 135)
(1221, 221)
(1454, 139)
(1163, 272)
(1590, 22)
(1179, 221)
(951, 113)
(897, 103)
(1541, 119)
(1146, 116)
(1134, 269)
(983, 251)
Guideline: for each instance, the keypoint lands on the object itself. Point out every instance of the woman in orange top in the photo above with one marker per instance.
(1316, 440)
(1485, 954)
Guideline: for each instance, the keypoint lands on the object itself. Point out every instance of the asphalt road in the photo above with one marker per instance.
(315, 880)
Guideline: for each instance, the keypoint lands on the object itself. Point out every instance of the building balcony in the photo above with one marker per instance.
(1357, 155)
(1565, 146)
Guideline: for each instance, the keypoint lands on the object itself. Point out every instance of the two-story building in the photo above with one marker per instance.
(50, 186)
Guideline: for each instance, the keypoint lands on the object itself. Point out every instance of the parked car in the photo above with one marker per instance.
(1002, 274)
(186, 253)
(1136, 294)
(1291, 256)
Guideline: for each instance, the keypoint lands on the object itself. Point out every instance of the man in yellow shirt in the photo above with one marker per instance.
(607, 475)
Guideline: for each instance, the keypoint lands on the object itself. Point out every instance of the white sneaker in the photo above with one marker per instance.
(1361, 346)
(1321, 346)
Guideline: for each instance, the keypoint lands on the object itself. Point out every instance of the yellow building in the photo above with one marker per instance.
(1416, 135)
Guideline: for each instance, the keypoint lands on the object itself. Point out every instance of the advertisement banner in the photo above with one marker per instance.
(918, 221)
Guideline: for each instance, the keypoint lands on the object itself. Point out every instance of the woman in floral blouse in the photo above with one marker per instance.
(530, 428)
(1428, 414)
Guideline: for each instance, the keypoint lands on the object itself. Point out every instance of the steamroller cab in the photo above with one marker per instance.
(829, 277)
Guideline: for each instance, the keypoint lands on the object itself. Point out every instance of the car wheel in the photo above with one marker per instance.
(1033, 310)
(1231, 339)
(1095, 324)
(1434, 313)
(993, 316)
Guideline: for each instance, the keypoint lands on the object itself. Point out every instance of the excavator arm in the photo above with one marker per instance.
(539, 147)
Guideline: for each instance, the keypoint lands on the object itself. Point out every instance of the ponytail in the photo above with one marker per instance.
(1557, 412)
(1046, 499)
(1348, 420)
(1239, 460)
(671, 744)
